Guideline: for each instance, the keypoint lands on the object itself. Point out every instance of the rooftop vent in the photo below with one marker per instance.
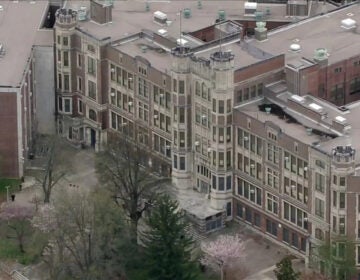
(160, 17)
(295, 47)
(315, 107)
(340, 119)
(187, 13)
(1, 8)
(321, 54)
(343, 109)
(162, 32)
(181, 42)
(298, 98)
(348, 23)
(350, 14)
(221, 15)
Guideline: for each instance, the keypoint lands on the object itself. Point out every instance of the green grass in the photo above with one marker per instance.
(33, 245)
(13, 183)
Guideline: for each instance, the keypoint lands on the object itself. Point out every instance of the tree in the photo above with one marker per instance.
(17, 218)
(123, 166)
(167, 247)
(87, 234)
(222, 252)
(285, 271)
(53, 171)
(338, 258)
(313, 275)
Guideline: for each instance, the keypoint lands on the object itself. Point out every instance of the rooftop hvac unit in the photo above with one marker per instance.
(295, 47)
(181, 42)
(82, 14)
(250, 8)
(160, 17)
(348, 23)
(162, 32)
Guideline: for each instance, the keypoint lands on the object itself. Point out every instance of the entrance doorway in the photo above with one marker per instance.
(92, 138)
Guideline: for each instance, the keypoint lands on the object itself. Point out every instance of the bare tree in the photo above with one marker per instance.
(85, 230)
(124, 167)
(222, 252)
(52, 173)
(17, 218)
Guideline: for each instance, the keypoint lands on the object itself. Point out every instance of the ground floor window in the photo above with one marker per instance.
(271, 227)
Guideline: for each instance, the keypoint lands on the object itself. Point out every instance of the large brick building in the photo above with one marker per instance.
(263, 126)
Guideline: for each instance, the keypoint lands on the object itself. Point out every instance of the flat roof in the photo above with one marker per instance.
(349, 117)
(323, 31)
(19, 26)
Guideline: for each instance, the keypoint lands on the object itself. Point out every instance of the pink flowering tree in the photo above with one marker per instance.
(45, 218)
(222, 252)
(18, 220)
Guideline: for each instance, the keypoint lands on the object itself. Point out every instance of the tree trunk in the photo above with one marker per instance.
(47, 193)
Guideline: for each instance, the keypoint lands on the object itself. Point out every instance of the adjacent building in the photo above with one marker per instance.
(26, 88)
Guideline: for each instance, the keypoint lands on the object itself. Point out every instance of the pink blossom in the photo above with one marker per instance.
(222, 251)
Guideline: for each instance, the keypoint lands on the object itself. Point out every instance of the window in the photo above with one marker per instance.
(91, 48)
(182, 163)
(320, 164)
(221, 107)
(273, 153)
(286, 237)
(181, 87)
(272, 203)
(80, 106)
(197, 88)
(295, 215)
(66, 82)
(257, 220)
(342, 200)
(239, 210)
(319, 208)
(319, 234)
(272, 178)
(342, 181)
(338, 70)
(65, 41)
(228, 209)
(67, 105)
(91, 65)
(341, 225)
(92, 115)
(228, 182)
(175, 162)
(294, 240)
(92, 90)
(355, 85)
(66, 58)
(271, 227)
(143, 88)
(143, 111)
(319, 182)
(182, 115)
(334, 198)
(79, 60)
(249, 192)
(79, 84)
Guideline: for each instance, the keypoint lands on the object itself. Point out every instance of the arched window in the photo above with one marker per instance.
(197, 88)
(92, 115)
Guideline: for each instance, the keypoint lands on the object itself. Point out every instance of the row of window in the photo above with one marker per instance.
(249, 166)
(249, 93)
(295, 165)
(273, 228)
(249, 191)
(221, 159)
(221, 183)
(202, 90)
(296, 190)
(162, 146)
(122, 124)
(162, 121)
(202, 115)
(202, 145)
(179, 162)
(249, 141)
(125, 79)
(219, 106)
(120, 100)
(295, 215)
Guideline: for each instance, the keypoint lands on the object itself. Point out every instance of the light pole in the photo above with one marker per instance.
(7, 193)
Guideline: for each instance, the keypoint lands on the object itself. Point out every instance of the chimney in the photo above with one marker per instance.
(101, 11)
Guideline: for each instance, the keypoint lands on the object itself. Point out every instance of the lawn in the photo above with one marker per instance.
(13, 183)
(33, 245)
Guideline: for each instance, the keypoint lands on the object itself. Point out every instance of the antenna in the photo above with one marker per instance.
(180, 41)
